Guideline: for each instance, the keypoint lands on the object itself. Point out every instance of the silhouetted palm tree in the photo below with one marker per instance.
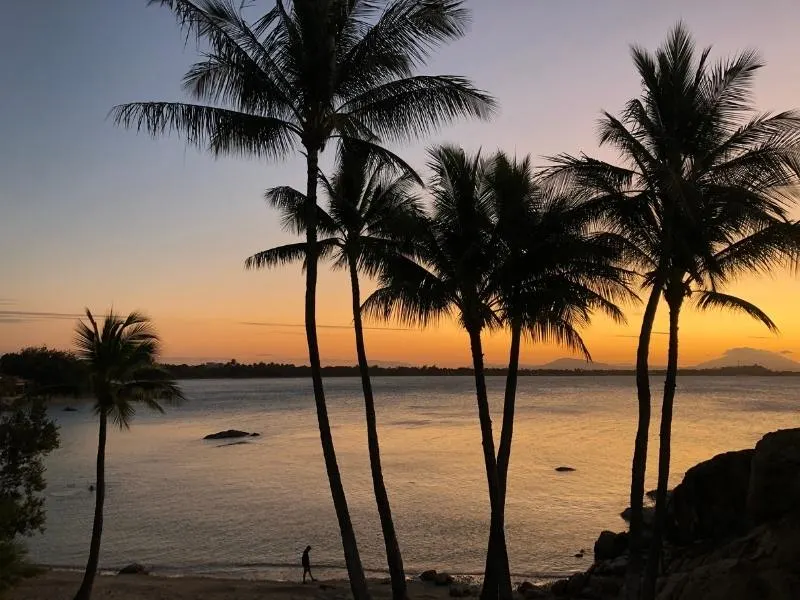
(451, 276)
(120, 359)
(307, 72)
(551, 271)
(702, 197)
(372, 214)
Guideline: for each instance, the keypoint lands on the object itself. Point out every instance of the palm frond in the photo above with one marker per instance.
(708, 299)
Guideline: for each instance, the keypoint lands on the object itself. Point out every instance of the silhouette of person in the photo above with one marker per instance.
(307, 564)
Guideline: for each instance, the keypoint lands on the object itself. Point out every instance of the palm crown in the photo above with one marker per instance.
(703, 191)
(310, 70)
(121, 360)
(372, 214)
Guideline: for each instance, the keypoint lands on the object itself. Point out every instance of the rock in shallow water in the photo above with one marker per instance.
(565, 469)
(228, 434)
(133, 569)
(429, 575)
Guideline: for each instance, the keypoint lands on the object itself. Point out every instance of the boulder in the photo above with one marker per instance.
(610, 545)
(710, 503)
(443, 579)
(760, 565)
(133, 569)
(535, 593)
(565, 469)
(576, 583)
(460, 590)
(648, 515)
(227, 435)
(524, 587)
(774, 488)
(429, 575)
(559, 588)
(606, 586)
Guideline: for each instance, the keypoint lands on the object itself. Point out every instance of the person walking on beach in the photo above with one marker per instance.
(307, 564)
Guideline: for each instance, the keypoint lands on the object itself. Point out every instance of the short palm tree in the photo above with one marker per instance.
(703, 197)
(305, 73)
(372, 214)
(551, 271)
(450, 277)
(120, 359)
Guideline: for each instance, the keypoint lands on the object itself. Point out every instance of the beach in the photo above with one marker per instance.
(62, 585)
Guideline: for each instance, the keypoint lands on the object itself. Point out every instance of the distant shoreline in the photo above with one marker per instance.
(235, 370)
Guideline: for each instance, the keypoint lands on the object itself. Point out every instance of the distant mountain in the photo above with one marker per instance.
(735, 357)
(571, 364)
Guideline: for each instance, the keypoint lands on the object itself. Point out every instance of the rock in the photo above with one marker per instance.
(576, 583)
(565, 469)
(606, 586)
(524, 587)
(535, 593)
(610, 545)
(254, 434)
(429, 575)
(711, 501)
(578, 555)
(648, 515)
(91, 487)
(443, 579)
(759, 565)
(227, 434)
(774, 488)
(133, 569)
(70, 409)
(459, 590)
(559, 588)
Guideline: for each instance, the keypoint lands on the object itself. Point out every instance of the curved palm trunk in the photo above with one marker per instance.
(502, 579)
(393, 556)
(355, 571)
(639, 465)
(490, 461)
(85, 591)
(664, 450)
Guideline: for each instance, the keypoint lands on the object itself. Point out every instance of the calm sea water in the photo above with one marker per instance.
(183, 505)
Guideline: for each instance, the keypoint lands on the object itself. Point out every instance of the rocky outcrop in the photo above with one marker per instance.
(774, 486)
(229, 434)
(610, 545)
(711, 501)
(429, 575)
(761, 565)
(565, 469)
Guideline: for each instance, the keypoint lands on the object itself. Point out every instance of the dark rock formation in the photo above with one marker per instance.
(133, 569)
(228, 434)
(429, 575)
(774, 486)
(711, 501)
(565, 469)
(610, 545)
(70, 409)
(761, 565)
(443, 579)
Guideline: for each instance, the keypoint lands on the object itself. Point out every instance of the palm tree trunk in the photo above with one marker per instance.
(393, 556)
(85, 591)
(355, 571)
(654, 556)
(639, 465)
(503, 578)
(490, 461)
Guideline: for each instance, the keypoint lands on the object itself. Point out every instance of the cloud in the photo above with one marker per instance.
(623, 335)
(27, 316)
(264, 324)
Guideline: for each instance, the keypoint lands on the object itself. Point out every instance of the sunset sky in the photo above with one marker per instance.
(92, 215)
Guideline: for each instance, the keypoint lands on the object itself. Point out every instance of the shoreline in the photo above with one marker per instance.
(55, 584)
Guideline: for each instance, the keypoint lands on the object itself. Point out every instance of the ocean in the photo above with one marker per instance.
(185, 506)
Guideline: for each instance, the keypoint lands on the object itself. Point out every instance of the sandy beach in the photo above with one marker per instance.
(61, 585)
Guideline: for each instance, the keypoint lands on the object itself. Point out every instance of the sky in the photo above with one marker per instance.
(95, 216)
